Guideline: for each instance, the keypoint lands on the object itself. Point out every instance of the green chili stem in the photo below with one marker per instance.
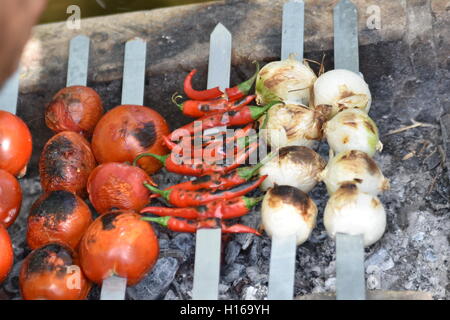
(251, 202)
(164, 193)
(245, 86)
(156, 156)
(248, 172)
(164, 221)
(259, 111)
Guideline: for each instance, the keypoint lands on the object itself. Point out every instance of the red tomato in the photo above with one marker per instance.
(6, 253)
(52, 273)
(66, 163)
(127, 131)
(10, 198)
(118, 243)
(118, 186)
(75, 108)
(15, 144)
(58, 216)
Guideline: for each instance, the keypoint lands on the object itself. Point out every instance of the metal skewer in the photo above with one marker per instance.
(284, 249)
(77, 69)
(208, 241)
(114, 287)
(350, 281)
(9, 94)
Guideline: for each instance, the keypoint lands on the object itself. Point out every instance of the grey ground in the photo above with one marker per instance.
(408, 73)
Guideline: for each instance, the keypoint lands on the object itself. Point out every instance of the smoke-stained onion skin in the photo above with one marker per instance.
(52, 272)
(66, 163)
(10, 198)
(58, 216)
(288, 211)
(289, 80)
(75, 108)
(355, 167)
(15, 144)
(127, 131)
(6, 252)
(293, 125)
(296, 166)
(354, 212)
(342, 89)
(119, 243)
(117, 185)
(353, 129)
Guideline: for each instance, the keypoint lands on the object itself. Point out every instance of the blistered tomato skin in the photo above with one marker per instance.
(117, 185)
(66, 163)
(75, 108)
(52, 272)
(10, 198)
(131, 130)
(118, 243)
(15, 144)
(58, 216)
(6, 253)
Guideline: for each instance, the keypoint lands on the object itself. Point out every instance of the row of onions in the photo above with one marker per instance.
(334, 106)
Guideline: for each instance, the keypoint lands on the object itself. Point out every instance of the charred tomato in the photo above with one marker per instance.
(10, 198)
(118, 243)
(6, 253)
(118, 186)
(52, 272)
(132, 130)
(15, 144)
(75, 108)
(66, 163)
(58, 216)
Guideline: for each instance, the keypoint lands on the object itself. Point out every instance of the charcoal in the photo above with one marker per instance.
(233, 272)
(155, 285)
(232, 251)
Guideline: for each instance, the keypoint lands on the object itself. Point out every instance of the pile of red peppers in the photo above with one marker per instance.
(218, 192)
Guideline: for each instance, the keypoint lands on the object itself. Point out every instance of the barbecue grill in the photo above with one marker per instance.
(406, 69)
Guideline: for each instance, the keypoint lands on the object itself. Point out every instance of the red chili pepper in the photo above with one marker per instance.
(223, 209)
(217, 181)
(198, 108)
(179, 225)
(186, 142)
(215, 151)
(193, 94)
(241, 90)
(188, 198)
(236, 117)
(174, 163)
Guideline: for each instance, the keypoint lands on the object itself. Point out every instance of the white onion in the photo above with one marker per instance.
(295, 166)
(352, 129)
(292, 125)
(288, 211)
(289, 80)
(356, 167)
(354, 212)
(342, 89)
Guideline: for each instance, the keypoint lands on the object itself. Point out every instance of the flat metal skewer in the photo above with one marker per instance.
(114, 287)
(283, 251)
(208, 241)
(350, 281)
(77, 69)
(9, 94)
